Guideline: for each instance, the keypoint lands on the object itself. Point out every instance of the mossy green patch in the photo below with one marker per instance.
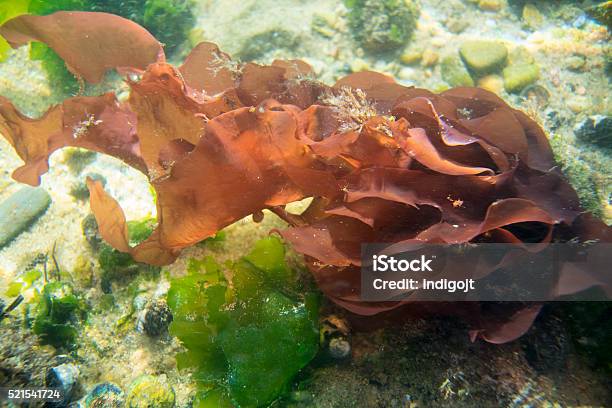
(116, 264)
(382, 25)
(246, 340)
(150, 391)
(58, 312)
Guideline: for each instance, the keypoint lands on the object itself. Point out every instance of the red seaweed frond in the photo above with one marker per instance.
(221, 140)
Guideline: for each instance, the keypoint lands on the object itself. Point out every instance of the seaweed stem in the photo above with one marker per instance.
(291, 219)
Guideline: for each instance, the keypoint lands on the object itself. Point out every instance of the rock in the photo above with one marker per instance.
(575, 63)
(536, 94)
(457, 25)
(65, 377)
(491, 5)
(80, 191)
(264, 42)
(148, 391)
(107, 395)
(77, 159)
(411, 57)
(155, 318)
(520, 55)
(339, 348)
(335, 337)
(483, 57)
(359, 65)
(324, 24)
(596, 130)
(20, 210)
(455, 73)
(89, 226)
(602, 12)
(518, 76)
(382, 25)
(532, 16)
(430, 58)
(493, 83)
(578, 104)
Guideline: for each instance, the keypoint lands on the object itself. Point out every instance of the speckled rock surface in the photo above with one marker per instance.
(20, 210)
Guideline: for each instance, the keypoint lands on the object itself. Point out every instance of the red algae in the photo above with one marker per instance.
(221, 140)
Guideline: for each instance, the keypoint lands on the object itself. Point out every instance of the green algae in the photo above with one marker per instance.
(246, 339)
(148, 391)
(23, 282)
(118, 265)
(382, 25)
(57, 314)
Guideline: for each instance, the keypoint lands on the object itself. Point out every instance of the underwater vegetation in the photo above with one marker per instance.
(246, 341)
(57, 314)
(382, 25)
(220, 140)
(168, 20)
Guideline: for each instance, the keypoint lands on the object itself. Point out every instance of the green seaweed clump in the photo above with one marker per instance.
(382, 25)
(245, 341)
(116, 264)
(57, 314)
(23, 283)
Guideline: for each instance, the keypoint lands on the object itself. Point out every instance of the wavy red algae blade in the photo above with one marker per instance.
(96, 123)
(90, 43)
(208, 69)
(246, 161)
(113, 228)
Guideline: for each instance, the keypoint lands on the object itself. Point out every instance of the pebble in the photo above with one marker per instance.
(430, 58)
(519, 76)
(20, 210)
(483, 56)
(65, 377)
(411, 57)
(150, 391)
(454, 72)
(155, 318)
(532, 16)
(107, 395)
(491, 5)
(359, 65)
(575, 63)
(407, 73)
(339, 348)
(578, 104)
(492, 83)
(596, 130)
(89, 226)
(457, 25)
(537, 94)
